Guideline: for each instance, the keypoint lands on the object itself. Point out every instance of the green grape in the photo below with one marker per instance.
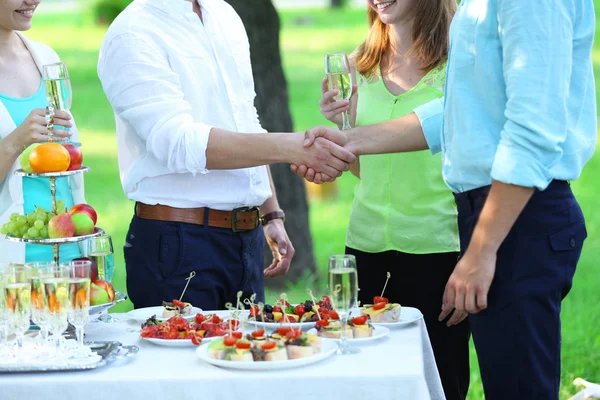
(22, 220)
(39, 224)
(16, 233)
(23, 229)
(33, 233)
(12, 226)
(4, 230)
(26, 236)
(44, 232)
(14, 216)
(31, 217)
(41, 210)
(50, 216)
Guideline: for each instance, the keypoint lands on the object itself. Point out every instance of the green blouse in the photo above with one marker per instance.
(401, 201)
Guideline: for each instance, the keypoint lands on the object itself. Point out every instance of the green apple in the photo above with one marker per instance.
(83, 224)
(24, 159)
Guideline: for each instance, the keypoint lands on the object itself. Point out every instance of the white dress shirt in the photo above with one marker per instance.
(170, 79)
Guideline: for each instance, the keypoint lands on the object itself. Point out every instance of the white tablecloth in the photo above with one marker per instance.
(400, 366)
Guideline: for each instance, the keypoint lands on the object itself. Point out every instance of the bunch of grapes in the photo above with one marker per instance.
(33, 225)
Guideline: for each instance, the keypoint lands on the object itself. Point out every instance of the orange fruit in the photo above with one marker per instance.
(49, 157)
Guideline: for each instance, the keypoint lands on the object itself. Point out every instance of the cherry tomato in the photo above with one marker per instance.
(299, 310)
(360, 320)
(229, 340)
(380, 299)
(243, 345)
(333, 314)
(218, 331)
(268, 346)
(257, 334)
(178, 303)
(237, 335)
(235, 323)
(293, 334)
(325, 314)
(254, 311)
(197, 340)
(277, 309)
(199, 318)
(323, 322)
(284, 330)
(379, 306)
(326, 300)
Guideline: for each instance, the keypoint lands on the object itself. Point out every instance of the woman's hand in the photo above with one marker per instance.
(329, 107)
(34, 129)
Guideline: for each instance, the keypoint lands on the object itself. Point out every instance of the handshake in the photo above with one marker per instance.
(326, 154)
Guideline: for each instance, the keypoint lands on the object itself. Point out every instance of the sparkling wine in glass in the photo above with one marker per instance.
(100, 250)
(343, 288)
(339, 77)
(39, 311)
(79, 299)
(55, 288)
(58, 87)
(4, 351)
(17, 297)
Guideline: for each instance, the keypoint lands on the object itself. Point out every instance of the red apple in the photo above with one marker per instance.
(76, 157)
(84, 209)
(61, 226)
(94, 269)
(99, 288)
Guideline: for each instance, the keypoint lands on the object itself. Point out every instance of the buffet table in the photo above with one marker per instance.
(399, 366)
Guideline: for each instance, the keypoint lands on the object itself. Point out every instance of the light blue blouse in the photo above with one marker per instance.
(36, 192)
(520, 104)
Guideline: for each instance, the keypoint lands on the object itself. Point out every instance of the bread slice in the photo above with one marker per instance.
(241, 355)
(336, 333)
(362, 331)
(294, 352)
(315, 342)
(277, 354)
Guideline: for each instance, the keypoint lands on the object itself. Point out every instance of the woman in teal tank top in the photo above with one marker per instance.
(22, 95)
(403, 218)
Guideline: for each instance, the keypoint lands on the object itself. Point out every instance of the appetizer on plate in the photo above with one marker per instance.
(361, 327)
(283, 311)
(382, 310)
(176, 308)
(333, 329)
(178, 328)
(284, 345)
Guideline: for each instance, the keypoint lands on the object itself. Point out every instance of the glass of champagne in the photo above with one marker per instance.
(100, 250)
(79, 299)
(55, 289)
(58, 88)
(39, 311)
(4, 353)
(339, 77)
(17, 297)
(343, 287)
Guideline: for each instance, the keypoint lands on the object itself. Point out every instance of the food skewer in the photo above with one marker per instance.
(188, 279)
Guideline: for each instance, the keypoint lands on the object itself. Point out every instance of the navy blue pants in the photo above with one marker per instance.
(518, 336)
(160, 255)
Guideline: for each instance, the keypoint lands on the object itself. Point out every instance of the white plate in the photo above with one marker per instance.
(177, 342)
(327, 349)
(141, 315)
(408, 315)
(378, 333)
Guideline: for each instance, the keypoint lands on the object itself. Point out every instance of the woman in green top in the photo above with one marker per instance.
(403, 218)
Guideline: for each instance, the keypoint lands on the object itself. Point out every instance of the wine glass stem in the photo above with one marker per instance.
(344, 342)
(20, 347)
(345, 121)
(79, 334)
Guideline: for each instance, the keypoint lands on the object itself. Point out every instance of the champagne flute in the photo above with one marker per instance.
(339, 77)
(100, 250)
(3, 318)
(39, 310)
(79, 299)
(58, 89)
(55, 288)
(343, 287)
(17, 296)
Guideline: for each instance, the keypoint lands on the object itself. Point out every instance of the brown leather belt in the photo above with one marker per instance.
(240, 219)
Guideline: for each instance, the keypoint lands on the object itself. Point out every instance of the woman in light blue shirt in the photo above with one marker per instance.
(22, 123)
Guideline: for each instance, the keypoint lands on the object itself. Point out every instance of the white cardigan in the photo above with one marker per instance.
(11, 189)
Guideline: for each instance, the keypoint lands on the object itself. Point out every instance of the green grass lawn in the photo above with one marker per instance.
(77, 41)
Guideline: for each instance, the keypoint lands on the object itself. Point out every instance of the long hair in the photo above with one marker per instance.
(430, 31)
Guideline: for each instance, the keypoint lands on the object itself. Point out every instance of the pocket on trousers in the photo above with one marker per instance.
(170, 253)
(568, 239)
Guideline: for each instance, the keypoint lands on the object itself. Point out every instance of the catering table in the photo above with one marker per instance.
(399, 366)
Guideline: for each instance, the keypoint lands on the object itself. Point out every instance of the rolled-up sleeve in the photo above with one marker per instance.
(431, 116)
(146, 94)
(537, 44)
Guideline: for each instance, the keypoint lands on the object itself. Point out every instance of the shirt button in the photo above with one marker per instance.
(572, 242)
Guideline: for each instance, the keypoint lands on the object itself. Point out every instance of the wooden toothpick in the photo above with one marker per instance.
(386, 282)
(310, 293)
(188, 279)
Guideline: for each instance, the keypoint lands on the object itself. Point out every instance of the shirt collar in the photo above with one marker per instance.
(176, 8)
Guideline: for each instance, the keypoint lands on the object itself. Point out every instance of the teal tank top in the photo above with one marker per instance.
(36, 191)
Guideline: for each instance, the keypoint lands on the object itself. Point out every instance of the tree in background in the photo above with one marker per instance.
(338, 3)
(262, 24)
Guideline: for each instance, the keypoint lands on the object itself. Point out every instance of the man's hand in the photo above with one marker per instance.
(281, 247)
(468, 286)
(313, 136)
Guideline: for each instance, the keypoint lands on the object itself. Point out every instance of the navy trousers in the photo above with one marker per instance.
(518, 336)
(160, 255)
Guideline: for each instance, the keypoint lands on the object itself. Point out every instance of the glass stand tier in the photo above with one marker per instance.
(56, 242)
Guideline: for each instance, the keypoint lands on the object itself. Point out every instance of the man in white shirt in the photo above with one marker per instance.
(192, 154)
